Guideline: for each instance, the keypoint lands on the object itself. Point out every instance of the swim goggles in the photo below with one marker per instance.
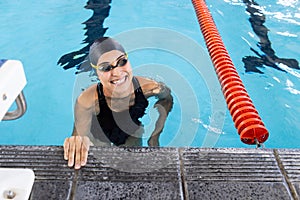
(106, 66)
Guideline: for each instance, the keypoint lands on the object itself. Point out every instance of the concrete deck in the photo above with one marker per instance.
(160, 173)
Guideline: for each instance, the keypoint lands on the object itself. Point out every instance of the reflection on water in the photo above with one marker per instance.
(267, 57)
(94, 30)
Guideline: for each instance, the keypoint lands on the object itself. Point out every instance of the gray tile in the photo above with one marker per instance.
(46, 190)
(232, 174)
(131, 189)
(236, 190)
(130, 173)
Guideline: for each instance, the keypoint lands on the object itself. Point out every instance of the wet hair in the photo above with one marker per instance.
(101, 46)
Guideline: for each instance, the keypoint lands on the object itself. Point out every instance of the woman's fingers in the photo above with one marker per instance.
(71, 153)
(66, 149)
(78, 146)
(76, 150)
(84, 150)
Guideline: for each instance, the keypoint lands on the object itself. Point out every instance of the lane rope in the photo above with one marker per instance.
(246, 118)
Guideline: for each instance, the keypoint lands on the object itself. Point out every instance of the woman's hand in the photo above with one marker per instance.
(76, 150)
(153, 141)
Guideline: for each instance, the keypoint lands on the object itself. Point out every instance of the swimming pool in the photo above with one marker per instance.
(40, 34)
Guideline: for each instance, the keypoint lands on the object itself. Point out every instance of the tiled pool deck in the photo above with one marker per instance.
(160, 173)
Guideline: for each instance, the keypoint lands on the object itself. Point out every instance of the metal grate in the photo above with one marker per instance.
(46, 162)
(243, 165)
(131, 164)
(291, 163)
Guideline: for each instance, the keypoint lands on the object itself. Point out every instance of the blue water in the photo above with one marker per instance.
(155, 33)
(274, 93)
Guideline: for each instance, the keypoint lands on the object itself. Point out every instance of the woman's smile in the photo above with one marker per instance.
(119, 81)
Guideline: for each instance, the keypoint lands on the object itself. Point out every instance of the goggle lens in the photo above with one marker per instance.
(106, 67)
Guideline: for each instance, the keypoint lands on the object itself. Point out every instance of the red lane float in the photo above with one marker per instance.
(246, 119)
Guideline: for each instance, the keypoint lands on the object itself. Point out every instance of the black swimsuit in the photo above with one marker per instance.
(118, 126)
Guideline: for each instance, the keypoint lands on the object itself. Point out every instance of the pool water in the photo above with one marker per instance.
(275, 93)
(164, 42)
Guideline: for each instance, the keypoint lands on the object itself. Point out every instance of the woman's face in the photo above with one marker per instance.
(118, 81)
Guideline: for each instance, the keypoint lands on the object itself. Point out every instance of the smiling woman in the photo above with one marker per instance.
(108, 113)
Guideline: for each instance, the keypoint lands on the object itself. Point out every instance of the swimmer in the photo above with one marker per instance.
(108, 113)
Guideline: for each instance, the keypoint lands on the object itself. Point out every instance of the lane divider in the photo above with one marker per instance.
(246, 118)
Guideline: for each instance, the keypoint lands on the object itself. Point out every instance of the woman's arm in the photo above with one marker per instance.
(77, 146)
(163, 105)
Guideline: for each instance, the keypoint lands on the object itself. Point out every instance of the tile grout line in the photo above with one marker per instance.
(74, 185)
(183, 182)
(285, 175)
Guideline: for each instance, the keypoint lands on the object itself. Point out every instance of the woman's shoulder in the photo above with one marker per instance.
(149, 86)
(88, 96)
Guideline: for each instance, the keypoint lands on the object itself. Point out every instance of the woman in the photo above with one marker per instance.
(108, 113)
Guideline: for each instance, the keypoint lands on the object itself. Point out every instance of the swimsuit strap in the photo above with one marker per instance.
(136, 85)
(100, 92)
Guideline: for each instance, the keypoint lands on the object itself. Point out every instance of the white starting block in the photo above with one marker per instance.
(12, 82)
(16, 183)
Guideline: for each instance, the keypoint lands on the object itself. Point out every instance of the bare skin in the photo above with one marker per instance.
(119, 92)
